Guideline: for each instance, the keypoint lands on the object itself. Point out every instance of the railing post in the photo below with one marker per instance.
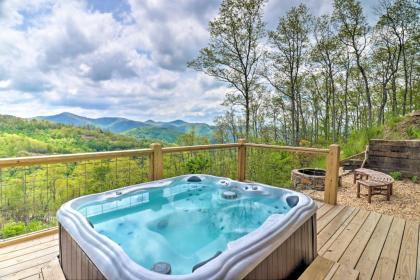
(331, 178)
(156, 162)
(241, 159)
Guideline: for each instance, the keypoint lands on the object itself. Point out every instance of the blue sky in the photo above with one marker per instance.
(114, 57)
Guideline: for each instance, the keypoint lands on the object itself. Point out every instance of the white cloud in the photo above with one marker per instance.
(173, 30)
(77, 59)
(72, 56)
(5, 84)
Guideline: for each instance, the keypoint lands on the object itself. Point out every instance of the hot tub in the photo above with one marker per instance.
(188, 227)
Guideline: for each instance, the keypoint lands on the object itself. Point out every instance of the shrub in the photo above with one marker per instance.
(413, 132)
(415, 179)
(12, 229)
(35, 225)
(396, 175)
(198, 164)
(16, 228)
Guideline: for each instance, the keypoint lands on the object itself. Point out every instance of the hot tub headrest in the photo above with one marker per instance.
(292, 200)
(194, 179)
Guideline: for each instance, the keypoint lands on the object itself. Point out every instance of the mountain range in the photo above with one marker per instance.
(164, 131)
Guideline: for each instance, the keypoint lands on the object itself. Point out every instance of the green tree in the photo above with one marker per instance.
(290, 42)
(191, 138)
(353, 31)
(234, 51)
(401, 18)
(326, 54)
(385, 59)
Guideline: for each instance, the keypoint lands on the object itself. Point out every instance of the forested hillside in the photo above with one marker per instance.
(21, 137)
(170, 132)
(163, 131)
(313, 79)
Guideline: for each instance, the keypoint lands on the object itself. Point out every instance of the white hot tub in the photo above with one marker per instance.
(188, 227)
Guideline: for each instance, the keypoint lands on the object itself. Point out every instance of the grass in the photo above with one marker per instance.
(396, 175)
(357, 141)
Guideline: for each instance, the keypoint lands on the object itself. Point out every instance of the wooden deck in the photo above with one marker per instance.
(377, 246)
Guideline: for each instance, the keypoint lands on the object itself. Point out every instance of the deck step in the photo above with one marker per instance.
(322, 268)
(52, 271)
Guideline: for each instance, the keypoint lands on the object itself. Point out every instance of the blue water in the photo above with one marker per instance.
(181, 224)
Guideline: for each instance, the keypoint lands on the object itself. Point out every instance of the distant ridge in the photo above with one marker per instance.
(28, 137)
(165, 131)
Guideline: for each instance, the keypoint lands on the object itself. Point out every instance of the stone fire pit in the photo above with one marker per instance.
(308, 178)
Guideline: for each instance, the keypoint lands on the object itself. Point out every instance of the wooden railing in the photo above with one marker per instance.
(120, 168)
(332, 165)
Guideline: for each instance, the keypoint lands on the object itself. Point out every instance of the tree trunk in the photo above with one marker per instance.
(334, 113)
(404, 105)
(394, 96)
(366, 84)
(381, 115)
(247, 117)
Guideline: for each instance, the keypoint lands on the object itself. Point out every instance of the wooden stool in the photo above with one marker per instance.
(375, 188)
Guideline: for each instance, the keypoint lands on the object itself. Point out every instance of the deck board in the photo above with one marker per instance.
(407, 260)
(358, 244)
(27, 244)
(323, 210)
(333, 270)
(385, 267)
(367, 262)
(418, 259)
(375, 246)
(53, 271)
(345, 273)
(328, 217)
(340, 244)
(343, 226)
(25, 274)
(319, 269)
(333, 226)
(25, 251)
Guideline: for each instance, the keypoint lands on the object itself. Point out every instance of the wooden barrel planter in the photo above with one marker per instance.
(309, 178)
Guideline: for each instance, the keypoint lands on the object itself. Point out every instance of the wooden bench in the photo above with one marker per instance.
(376, 182)
(322, 268)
